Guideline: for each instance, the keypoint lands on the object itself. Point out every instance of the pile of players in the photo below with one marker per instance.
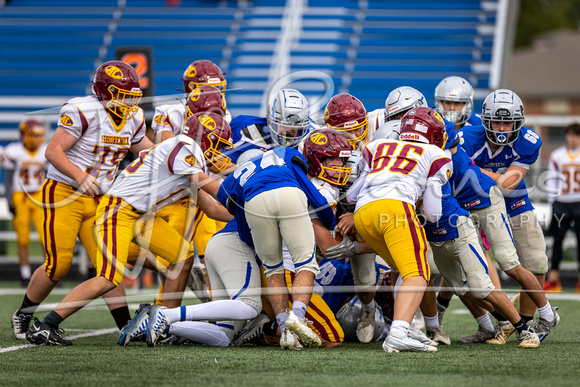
(345, 223)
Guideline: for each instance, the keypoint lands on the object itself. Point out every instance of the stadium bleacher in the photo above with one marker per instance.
(50, 49)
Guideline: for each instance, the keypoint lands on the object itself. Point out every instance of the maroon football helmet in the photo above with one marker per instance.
(202, 72)
(423, 124)
(346, 113)
(117, 85)
(213, 134)
(205, 98)
(324, 143)
(32, 133)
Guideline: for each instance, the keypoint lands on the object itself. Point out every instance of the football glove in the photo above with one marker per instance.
(344, 249)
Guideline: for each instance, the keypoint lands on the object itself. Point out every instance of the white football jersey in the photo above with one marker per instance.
(171, 118)
(29, 168)
(376, 120)
(159, 176)
(393, 169)
(101, 144)
(566, 162)
(168, 118)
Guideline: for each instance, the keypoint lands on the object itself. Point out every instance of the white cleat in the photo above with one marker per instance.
(290, 340)
(393, 344)
(365, 329)
(297, 325)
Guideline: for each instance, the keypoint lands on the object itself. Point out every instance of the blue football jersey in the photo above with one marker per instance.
(523, 152)
(445, 228)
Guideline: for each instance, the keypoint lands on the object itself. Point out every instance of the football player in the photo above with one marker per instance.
(93, 135)
(504, 150)
(394, 174)
(454, 102)
(160, 176)
(167, 123)
(286, 123)
(25, 168)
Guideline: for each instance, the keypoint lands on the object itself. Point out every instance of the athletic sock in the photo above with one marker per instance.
(546, 312)
(271, 328)
(526, 318)
(399, 329)
(443, 302)
(498, 316)
(431, 322)
(299, 309)
(28, 307)
(121, 316)
(521, 326)
(25, 272)
(53, 319)
(485, 322)
(281, 320)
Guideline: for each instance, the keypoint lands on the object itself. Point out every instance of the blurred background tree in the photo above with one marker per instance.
(538, 17)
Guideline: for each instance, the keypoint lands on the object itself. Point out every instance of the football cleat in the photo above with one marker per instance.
(529, 339)
(365, 329)
(393, 344)
(156, 324)
(136, 329)
(43, 334)
(436, 334)
(418, 335)
(21, 323)
(253, 330)
(197, 282)
(290, 340)
(418, 320)
(503, 330)
(543, 327)
(481, 336)
(298, 325)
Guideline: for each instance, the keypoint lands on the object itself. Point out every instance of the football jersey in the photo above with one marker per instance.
(101, 145)
(159, 176)
(469, 185)
(29, 168)
(171, 118)
(168, 118)
(445, 228)
(522, 153)
(566, 162)
(393, 169)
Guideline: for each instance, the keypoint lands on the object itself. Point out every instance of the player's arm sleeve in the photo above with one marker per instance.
(432, 208)
(364, 168)
(228, 194)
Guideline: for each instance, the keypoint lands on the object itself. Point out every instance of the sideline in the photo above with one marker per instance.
(98, 332)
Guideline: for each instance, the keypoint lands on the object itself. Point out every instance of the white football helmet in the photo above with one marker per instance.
(354, 163)
(349, 315)
(288, 111)
(502, 105)
(390, 130)
(401, 100)
(454, 89)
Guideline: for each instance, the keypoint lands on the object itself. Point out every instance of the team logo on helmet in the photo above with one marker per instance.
(66, 120)
(194, 95)
(191, 160)
(326, 114)
(161, 120)
(207, 122)
(190, 72)
(319, 139)
(114, 72)
(436, 115)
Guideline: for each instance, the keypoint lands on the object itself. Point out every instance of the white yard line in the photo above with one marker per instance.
(98, 332)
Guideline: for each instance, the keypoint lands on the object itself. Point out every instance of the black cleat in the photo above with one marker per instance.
(43, 334)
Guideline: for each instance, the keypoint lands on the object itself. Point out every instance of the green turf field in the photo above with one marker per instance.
(97, 360)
